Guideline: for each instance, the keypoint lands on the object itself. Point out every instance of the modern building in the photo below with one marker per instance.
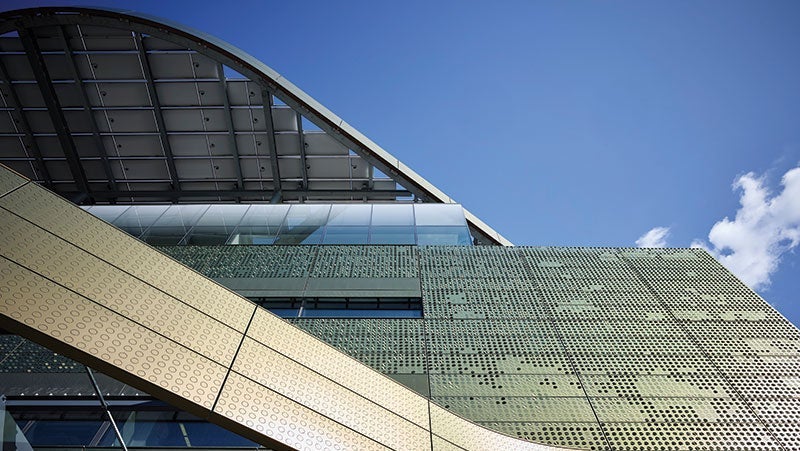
(196, 254)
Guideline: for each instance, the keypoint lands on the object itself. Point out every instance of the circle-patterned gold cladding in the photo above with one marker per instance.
(275, 416)
(335, 401)
(132, 298)
(158, 361)
(129, 254)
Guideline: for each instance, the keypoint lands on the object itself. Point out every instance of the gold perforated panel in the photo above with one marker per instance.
(270, 368)
(327, 361)
(255, 406)
(87, 275)
(9, 180)
(128, 254)
(440, 444)
(64, 316)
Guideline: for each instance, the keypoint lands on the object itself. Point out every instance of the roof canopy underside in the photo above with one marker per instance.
(104, 107)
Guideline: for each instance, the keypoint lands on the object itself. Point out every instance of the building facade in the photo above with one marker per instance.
(378, 313)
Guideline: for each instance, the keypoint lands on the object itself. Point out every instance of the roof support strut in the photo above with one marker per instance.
(22, 121)
(162, 129)
(266, 96)
(87, 108)
(48, 91)
(302, 138)
(229, 123)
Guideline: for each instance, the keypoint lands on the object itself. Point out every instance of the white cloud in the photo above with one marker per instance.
(765, 228)
(656, 237)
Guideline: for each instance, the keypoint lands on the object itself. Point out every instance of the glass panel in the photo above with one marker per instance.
(300, 235)
(351, 313)
(346, 235)
(181, 215)
(203, 236)
(254, 235)
(107, 213)
(275, 303)
(11, 436)
(50, 433)
(223, 215)
(306, 216)
(165, 236)
(206, 434)
(350, 215)
(285, 312)
(140, 216)
(443, 235)
(392, 215)
(439, 215)
(265, 215)
(392, 235)
(133, 230)
(147, 429)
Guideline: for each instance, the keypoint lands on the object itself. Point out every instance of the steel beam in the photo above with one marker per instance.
(229, 122)
(236, 194)
(87, 107)
(174, 194)
(60, 126)
(266, 97)
(302, 142)
(162, 130)
(30, 140)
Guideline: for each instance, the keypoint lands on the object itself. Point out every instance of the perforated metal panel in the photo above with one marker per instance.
(77, 285)
(591, 348)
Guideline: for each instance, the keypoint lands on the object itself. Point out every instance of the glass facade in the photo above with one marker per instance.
(262, 224)
(145, 424)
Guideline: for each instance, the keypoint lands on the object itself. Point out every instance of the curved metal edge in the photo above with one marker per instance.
(254, 69)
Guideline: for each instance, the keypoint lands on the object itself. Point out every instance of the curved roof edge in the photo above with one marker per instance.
(259, 72)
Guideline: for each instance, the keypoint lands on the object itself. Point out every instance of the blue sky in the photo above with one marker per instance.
(564, 123)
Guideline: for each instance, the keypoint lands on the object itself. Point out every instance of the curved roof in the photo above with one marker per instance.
(111, 106)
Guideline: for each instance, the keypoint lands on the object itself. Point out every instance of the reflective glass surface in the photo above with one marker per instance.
(185, 216)
(204, 235)
(392, 215)
(392, 235)
(443, 235)
(165, 236)
(254, 235)
(265, 224)
(439, 215)
(301, 235)
(265, 215)
(107, 212)
(346, 307)
(306, 216)
(350, 215)
(139, 215)
(223, 215)
(346, 235)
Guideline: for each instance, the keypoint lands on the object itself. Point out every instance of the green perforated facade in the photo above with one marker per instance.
(595, 348)
(589, 348)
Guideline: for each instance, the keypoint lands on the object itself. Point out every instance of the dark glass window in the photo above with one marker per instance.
(343, 307)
